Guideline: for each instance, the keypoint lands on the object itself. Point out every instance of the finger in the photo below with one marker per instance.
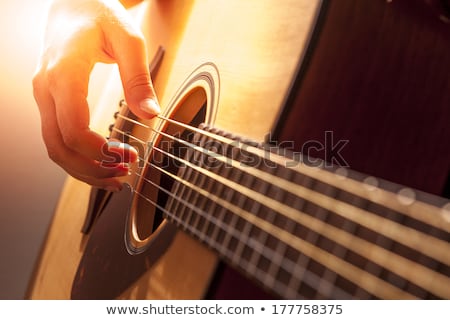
(69, 91)
(68, 82)
(125, 43)
(110, 184)
(68, 159)
(73, 162)
(118, 152)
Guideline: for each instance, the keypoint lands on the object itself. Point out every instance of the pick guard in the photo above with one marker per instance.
(107, 269)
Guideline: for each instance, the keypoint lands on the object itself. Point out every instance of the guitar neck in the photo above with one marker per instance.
(338, 228)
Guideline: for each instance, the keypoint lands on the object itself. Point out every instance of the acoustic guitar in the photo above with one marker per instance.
(302, 152)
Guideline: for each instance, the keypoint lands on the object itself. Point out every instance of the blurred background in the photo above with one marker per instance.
(30, 181)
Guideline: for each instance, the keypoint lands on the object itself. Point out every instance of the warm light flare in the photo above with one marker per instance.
(26, 206)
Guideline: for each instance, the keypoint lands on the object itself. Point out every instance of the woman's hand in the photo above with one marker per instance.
(79, 34)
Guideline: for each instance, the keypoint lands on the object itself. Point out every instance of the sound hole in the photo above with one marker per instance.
(146, 216)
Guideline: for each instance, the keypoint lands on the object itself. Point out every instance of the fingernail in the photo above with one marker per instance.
(118, 145)
(150, 106)
(114, 146)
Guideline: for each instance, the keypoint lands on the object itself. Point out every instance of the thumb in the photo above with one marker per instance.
(138, 89)
(128, 48)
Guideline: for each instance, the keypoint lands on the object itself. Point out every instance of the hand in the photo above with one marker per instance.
(79, 34)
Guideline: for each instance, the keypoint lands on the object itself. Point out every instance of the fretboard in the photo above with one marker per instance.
(310, 232)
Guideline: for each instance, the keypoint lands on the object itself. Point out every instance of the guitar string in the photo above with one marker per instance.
(419, 274)
(362, 247)
(423, 212)
(308, 277)
(378, 287)
(412, 238)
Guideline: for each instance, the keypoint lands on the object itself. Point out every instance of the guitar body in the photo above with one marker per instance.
(254, 47)
(295, 69)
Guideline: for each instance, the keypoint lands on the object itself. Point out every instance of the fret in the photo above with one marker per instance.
(186, 172)
(313, 240)
(342, 266)
(214, 243)
(193, 198)
(270, 241)
(328, 277)
(351, 228)
(289, 267)
(216, 210)
(256, 260)
(386, 196)
(341, 250)
(433, 264)
(219, 211)
(237, 244)
(209, 207)
(242, 225)
(310, 236)
(386, 243)
(290, 278)
(398, 278)
(237, 199)
(323, 241)
(309, 280)
(212, 206)
(394, 215)
(316, 252)
(299, 279)
(195, 178)
(183, 212)
(173, 205)
(228, 251)
(429, 263)
(358, 246)
(362, 216)
(374, 224)
(196, 220)
(196, 200)
(255, 234)
(408, 237)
